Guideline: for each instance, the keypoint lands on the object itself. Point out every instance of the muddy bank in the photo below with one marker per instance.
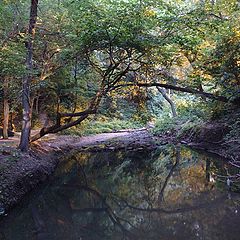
(20, 173)
(209, 137)
(220, 136)
(215, 137)
(128, 140)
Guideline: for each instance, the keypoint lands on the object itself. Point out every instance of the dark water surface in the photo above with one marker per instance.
(171, 193)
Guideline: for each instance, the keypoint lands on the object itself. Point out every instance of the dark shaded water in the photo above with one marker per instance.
(171, 193)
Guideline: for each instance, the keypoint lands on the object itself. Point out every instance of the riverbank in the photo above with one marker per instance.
(20, 173)
(210, 137)
(220, 136)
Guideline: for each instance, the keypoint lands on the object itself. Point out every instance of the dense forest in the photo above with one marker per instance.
(163, 72)
(70, 62)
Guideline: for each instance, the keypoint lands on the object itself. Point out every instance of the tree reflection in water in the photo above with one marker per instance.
(169, 194)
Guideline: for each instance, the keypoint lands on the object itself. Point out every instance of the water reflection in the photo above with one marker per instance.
(171, 193)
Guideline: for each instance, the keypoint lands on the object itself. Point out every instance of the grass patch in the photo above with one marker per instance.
(101, 126)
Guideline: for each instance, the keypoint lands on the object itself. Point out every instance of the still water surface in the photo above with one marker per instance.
(171, 193)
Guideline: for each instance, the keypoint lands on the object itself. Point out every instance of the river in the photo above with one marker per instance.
(169, 193)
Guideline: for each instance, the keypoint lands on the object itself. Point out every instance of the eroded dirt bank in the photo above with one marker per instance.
(217, 137)
(20, 173)
(214, 137)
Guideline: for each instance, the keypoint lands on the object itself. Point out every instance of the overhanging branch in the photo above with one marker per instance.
(173, 87)
(77, 114)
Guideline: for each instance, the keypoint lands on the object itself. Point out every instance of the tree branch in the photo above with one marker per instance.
(173, 87)
(77, 114)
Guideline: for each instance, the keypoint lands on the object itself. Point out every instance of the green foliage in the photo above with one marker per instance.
(164, 124)
(101, 126)
(190, 115)
(234, 125)
(77, 42)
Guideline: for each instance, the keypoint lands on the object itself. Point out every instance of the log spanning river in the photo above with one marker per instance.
(169, 193)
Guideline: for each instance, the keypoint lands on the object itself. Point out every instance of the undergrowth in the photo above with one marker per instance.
(190, 117)
(178, 125)
(101, 126)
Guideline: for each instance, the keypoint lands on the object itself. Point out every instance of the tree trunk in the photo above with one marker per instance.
(26, 124)
(169, 100)
(5, 110)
